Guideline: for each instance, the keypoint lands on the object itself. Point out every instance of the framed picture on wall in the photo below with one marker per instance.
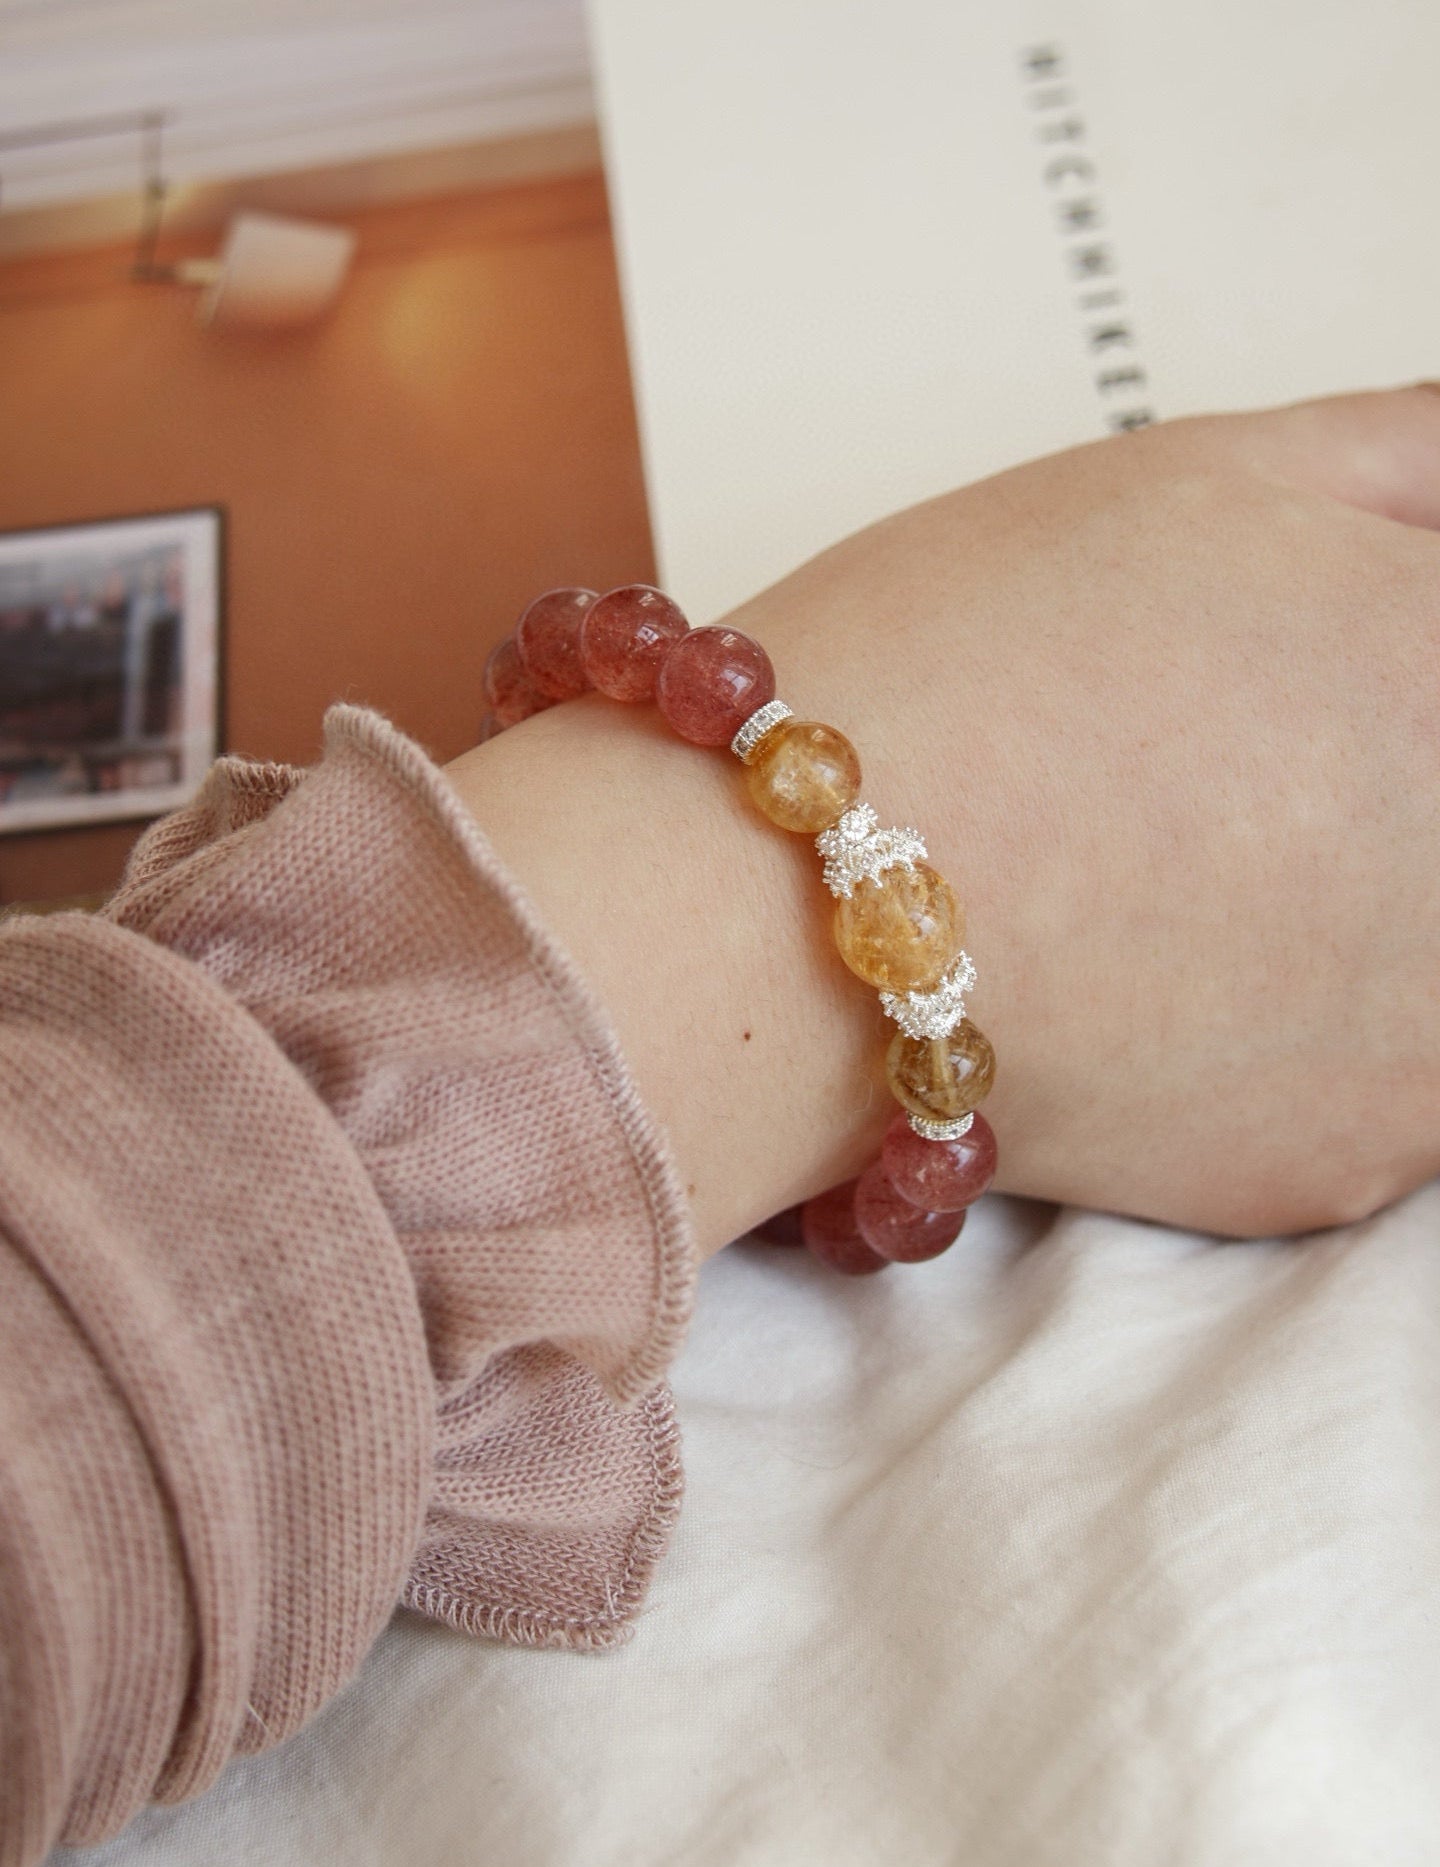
(110, 703)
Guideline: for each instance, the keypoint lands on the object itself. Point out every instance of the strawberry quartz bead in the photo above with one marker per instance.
(548, 639)
(781, 1228)
(625, 637)
(828, 1225)
(939, 1176)
(895, 1229)
(513, 696)
(710, 683)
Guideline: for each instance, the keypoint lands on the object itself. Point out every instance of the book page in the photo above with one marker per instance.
(876, 249)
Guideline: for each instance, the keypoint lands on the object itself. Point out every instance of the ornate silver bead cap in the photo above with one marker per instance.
(756, 727)
(937, 1012)
(856, 850)
(941, 1130)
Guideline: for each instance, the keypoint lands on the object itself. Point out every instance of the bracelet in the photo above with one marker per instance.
(898, 924)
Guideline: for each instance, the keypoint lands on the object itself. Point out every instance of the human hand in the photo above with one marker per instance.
(1167, 711)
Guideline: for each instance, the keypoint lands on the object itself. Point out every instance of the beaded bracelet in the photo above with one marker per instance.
(897, 922)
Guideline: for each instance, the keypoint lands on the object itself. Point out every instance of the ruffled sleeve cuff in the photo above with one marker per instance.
(357, 913)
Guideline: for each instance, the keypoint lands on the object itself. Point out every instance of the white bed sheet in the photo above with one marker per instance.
(1091, 1544)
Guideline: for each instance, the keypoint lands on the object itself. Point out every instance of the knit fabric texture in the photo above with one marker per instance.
(340, 1264)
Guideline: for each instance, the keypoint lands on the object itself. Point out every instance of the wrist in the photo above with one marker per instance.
(705, 939)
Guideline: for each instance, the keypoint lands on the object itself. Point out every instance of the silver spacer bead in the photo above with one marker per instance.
(934, 1013)
(756, 727)
(856, 850)
(941, 1130)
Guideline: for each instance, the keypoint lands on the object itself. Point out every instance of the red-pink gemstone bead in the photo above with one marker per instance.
(489, 726)
(894, 1228)
(513, 696)
(548, 638)
(710, 683)
(828, 1223)
(626, 636)
(939, 1176)
(781, 1228)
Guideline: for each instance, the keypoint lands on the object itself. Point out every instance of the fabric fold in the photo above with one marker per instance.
(339, 1264)
(372, 931)
(216, 1414)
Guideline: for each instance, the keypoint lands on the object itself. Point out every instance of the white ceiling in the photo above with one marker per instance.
(257, 87)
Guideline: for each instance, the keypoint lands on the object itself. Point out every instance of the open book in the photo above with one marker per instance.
(876, 249)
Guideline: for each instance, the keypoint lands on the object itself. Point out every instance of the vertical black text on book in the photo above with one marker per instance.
(1072, 184)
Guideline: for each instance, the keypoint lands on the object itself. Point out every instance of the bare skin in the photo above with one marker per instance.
(1167, 711)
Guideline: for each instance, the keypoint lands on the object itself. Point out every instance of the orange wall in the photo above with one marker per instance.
(398, 481)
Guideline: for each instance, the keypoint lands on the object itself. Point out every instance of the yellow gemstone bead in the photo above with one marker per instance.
(942, 1077)
(803, 775)
(902, 930)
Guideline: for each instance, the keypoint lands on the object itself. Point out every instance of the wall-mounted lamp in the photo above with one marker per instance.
(273, 270)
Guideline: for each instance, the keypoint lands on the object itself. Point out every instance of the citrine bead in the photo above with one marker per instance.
(828, 1226)
(895, 1229)
(710, 682)
(939, 1176)
(942, 1077)
(625, 637)
(901, 930)
(803, 775)
(547, 638)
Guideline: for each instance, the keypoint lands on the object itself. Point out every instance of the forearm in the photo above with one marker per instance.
(703, 932)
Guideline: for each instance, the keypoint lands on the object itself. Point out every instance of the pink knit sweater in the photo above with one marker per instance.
(339, 1266)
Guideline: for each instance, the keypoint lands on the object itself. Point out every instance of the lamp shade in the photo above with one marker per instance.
(276, 271)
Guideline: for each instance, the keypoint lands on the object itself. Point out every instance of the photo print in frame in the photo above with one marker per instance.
(109, 668)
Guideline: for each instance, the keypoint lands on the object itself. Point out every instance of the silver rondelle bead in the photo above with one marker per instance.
(941, 1130)
(756, 727)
